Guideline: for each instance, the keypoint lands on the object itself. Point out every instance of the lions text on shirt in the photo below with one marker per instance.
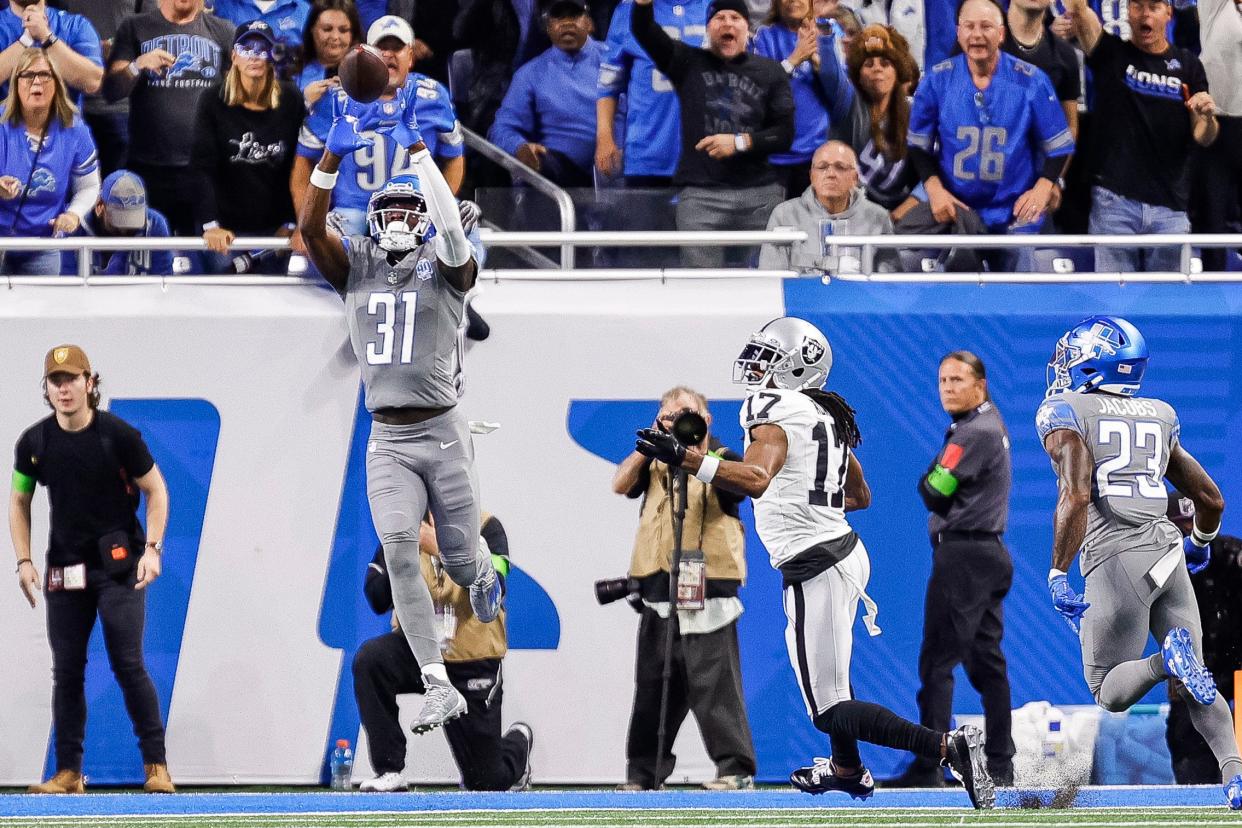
(368, 169)
(805, 502)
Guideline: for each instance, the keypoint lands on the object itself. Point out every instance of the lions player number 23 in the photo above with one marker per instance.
(383, 305)
(1131, 439)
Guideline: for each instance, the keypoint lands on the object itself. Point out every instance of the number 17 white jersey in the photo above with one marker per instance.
(805, 502)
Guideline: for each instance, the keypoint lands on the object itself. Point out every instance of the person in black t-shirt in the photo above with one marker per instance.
(99, 560)
(736, 110)
(245, 136)
(1151, 107)
(163, 60)
(1027, 37)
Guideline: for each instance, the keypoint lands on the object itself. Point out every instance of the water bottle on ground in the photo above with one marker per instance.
(342, 766)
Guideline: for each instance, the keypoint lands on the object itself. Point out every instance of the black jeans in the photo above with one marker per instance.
(707, 678)
(963, 623)
(384, 668)
(171, 191)
(70, 618)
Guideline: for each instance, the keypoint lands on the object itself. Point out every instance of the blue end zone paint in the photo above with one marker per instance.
(19, 805)
(182, 436)
(783, 735)
(346, 619)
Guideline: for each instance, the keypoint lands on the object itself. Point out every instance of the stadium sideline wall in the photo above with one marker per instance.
(249, 399)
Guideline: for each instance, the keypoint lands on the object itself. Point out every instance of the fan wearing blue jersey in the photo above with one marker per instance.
(69, 40)
(404, 286)
(365, 171)
(987, 133)
(652, 114)
(49, 176)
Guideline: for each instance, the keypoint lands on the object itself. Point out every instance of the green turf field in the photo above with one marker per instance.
(674, 818)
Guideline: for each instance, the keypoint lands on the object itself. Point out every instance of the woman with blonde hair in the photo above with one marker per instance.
(50, 174)
(881, 72)
(245, 136)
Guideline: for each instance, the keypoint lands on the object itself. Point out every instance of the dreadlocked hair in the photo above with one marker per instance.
(842, 414)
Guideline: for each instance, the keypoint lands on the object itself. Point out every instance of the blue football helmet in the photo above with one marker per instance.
(1100, 353)
(397, 215)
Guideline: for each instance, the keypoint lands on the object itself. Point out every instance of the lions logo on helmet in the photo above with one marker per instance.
(788, 353)
(397, 215)
(1100, 353)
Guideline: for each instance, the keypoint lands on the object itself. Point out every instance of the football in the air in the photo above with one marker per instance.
(364, 77)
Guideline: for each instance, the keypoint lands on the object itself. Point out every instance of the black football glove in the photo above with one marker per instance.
(660, 445)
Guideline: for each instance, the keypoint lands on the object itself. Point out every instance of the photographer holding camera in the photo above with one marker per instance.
(706, 665)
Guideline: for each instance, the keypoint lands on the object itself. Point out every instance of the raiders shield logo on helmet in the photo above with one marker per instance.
(812, 351)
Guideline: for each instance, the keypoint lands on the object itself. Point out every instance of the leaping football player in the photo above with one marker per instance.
(1112, 450)
(801, 471)
(404, 286)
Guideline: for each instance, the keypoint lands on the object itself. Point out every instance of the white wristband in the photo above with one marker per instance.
(1054, 573)
(707, 469)
(1200, 537)
(323, 180)
(26, 40)
(739, 142)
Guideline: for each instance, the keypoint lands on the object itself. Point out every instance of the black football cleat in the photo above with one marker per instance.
(822, 777)
(965, 760)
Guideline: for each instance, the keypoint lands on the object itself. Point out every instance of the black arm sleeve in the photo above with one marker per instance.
(661, 48)
(640, 485)
(203, 158)
(497, 539)
(1053, 167)
(924, 162)
(932, 499)
(778, 132)
(377, 587)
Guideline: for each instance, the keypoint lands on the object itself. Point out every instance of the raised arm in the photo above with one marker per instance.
(651, 36)
(1087, 26)
(453, 249)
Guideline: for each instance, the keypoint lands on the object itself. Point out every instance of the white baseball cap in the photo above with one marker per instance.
(390, 26)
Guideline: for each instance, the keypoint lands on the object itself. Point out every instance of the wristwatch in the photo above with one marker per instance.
(156, 546)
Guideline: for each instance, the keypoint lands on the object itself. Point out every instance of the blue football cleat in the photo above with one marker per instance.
(1182, 664)
(1233, 792)
(821, 778)
(485, 595)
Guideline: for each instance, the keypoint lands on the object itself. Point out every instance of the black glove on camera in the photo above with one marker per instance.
(660, 445)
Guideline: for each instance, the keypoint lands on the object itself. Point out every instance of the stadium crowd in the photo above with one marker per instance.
(204, 118)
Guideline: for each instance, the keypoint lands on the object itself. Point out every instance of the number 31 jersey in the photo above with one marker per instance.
(1130, 440)
(805, 502)
(405, 322)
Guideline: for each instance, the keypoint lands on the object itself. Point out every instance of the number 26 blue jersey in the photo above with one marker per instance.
(991, 143)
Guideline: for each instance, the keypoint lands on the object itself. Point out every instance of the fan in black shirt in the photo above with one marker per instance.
(736, 110)
(245, 135)
(1027, 37)
(1151, 107)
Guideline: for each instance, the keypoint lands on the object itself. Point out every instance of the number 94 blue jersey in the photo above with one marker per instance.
(991, 143)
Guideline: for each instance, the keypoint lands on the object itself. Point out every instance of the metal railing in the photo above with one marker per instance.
(515, 168)
(867, 246)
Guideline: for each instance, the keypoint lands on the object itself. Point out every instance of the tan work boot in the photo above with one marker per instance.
(64, 782)
(158, 780)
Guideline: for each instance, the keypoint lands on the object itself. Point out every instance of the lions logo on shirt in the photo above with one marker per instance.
(42, 181)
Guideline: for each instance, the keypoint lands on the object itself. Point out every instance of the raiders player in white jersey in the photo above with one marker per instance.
(404, 288)
(800, 469)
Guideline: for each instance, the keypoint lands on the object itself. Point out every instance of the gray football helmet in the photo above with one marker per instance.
(788, 353)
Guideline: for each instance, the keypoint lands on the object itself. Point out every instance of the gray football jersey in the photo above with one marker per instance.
(1130, 440)
(405, 323)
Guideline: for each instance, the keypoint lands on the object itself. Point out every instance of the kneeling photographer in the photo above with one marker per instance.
(700, 641)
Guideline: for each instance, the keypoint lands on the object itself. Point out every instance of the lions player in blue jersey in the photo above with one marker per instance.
(986, 132)
(365, 171)
(1112, 450)
(404, 286)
